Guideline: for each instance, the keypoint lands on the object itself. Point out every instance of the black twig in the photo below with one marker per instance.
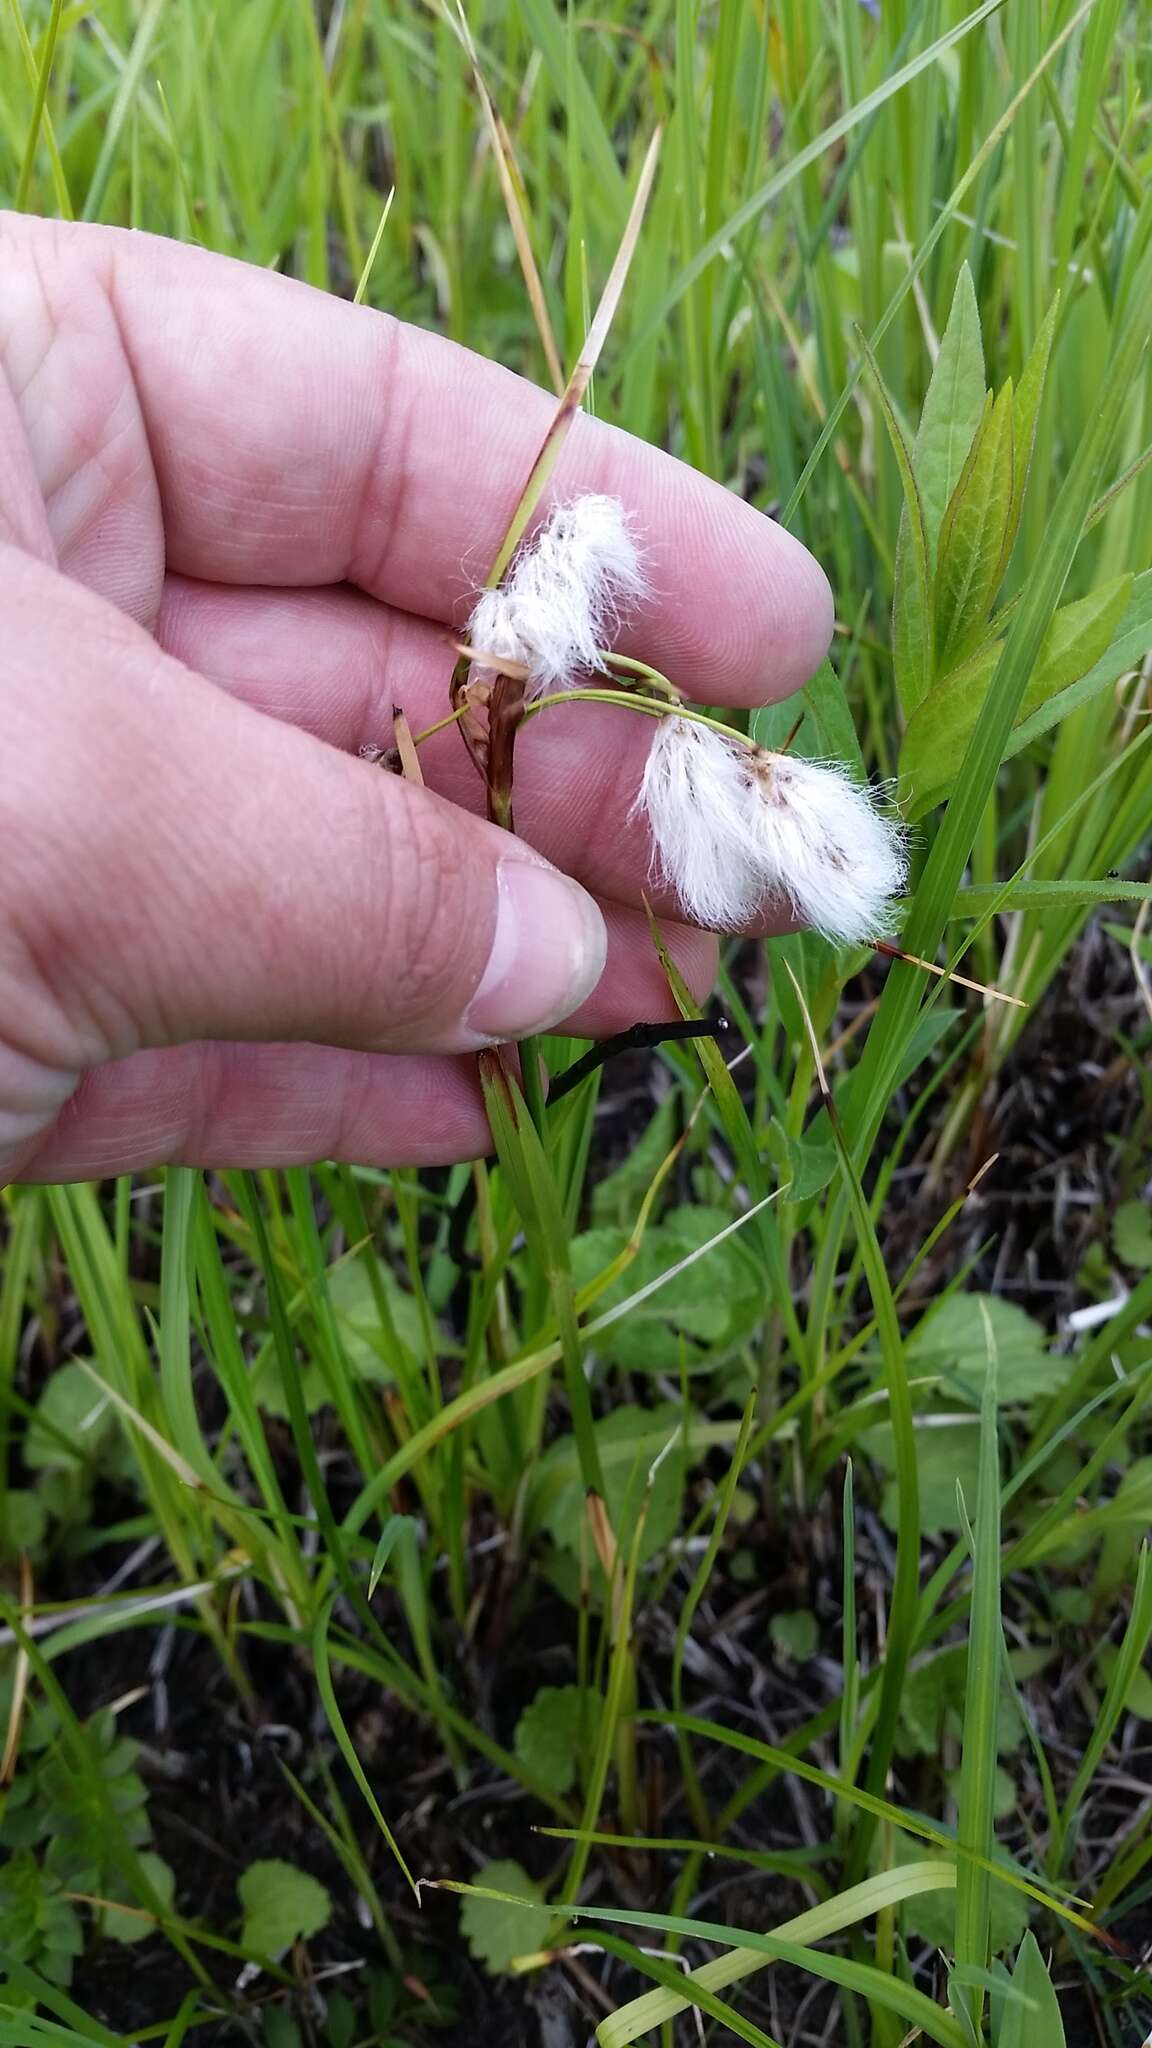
(637, 1038)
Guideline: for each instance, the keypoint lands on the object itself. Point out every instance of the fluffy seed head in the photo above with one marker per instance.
(565, 594)
(733, 825)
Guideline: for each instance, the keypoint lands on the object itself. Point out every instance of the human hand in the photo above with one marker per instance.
(236, 519)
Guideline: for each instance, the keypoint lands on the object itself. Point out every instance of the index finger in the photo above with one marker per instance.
(299, 440)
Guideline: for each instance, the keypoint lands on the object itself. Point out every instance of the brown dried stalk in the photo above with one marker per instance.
(506, 699)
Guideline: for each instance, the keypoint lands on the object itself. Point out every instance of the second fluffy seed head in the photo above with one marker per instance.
(734, 826)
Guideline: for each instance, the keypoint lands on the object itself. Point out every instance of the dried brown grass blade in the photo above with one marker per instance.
(406, 748)
(602, 1535)
(589, 356)
(513, 192)
(813, 1045)
(506, 704)
(981, 988)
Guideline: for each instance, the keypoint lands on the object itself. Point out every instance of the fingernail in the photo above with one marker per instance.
(547, 954)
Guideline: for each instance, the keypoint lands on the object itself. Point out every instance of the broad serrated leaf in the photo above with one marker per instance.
(805, 1164)
(912, 643)
(27, 1520)
(940, 728)
(281, 1905)
(1033, 2020)
(952, 407)
(955, 1343)
(947, 1451)
(1077, 644)
(795, 1636)
(1079, 635)
(975, 528)
(698, 1313)
(1132, 641)
(280, 2029)
(557, 1728)
(947, 1459)
(367, 1347)
(340, 2023)
(496, 1930)
(365, 1344)
(630, 1440)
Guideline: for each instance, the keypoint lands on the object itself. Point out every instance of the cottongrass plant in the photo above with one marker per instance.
(732, 825)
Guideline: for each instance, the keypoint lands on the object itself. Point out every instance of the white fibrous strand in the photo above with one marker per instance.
(734, 826)
(565, 596)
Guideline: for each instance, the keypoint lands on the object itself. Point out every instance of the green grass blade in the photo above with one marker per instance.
(976, 1820)
(1133, 1650)
(344, 1741)
(744, 215)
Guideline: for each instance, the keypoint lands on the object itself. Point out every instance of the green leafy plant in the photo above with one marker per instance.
(65, 1832)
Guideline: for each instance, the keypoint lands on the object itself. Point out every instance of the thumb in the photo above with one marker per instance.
(180, 867)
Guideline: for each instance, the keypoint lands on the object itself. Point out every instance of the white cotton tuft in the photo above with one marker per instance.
(565, 594)
(733, 825)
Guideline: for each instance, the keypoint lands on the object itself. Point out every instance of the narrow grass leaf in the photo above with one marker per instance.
(903, 1602)
(977, 901)
(88, 2033)
(40, 119)
(785, 1761)
(701, 1579)
(819, 1923)
(979, 1758)
(889, 1992)
(716, 244)
(663, 1971)
(149, 21)
(945, 216)
(344, 1741)
(541, 1211)
(1133, 1650)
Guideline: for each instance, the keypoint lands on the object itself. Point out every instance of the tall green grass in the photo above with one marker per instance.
(315, 1405)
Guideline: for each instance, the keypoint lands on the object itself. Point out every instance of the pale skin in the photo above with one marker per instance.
(239, 521)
